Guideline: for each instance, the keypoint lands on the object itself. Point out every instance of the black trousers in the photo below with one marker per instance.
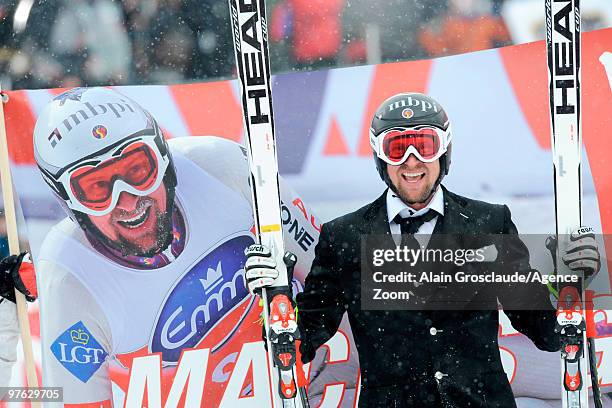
(400, 396)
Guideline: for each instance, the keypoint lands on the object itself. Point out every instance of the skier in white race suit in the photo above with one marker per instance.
(150, 262)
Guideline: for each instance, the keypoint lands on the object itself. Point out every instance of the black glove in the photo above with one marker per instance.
(17, 272)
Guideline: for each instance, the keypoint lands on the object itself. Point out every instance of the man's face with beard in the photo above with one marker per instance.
(414, 180)
(137, 223)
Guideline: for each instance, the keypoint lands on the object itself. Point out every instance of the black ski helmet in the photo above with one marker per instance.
(410, 109)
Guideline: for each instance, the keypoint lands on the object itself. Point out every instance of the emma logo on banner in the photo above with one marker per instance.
(79, 352)
(204, 299)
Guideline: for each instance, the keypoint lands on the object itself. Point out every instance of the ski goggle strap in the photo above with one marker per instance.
(395, 145)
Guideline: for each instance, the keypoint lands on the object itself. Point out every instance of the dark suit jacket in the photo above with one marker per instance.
(445, 358)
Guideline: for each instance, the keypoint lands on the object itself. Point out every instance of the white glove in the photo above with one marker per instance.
(261, 269)
(582, 252)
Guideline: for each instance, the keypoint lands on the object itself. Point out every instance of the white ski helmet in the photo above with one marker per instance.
(91, 131)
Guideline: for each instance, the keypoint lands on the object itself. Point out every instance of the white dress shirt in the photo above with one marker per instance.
(395, 206)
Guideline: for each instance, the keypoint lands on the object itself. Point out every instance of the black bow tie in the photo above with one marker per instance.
(411, 225)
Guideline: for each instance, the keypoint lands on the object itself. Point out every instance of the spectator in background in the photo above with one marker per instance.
(469, 25)
(137, 15)
(189, 39)
(62, 43)
(313, 30)
(7, 48)
(31, 65)
(388, 28)
(280, 31)
(171, 43)
(103, 55)
(70, 42)
(213, 54)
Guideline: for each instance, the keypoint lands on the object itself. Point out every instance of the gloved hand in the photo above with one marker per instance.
(581, 254)
(261, 272)
(260, 268)
(17, 272)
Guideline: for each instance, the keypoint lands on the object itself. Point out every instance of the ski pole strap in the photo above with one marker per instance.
(552, 290)
(302, 378)
(551, 245)
(591, 332)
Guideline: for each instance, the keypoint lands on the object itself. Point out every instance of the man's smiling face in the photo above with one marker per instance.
(136, 223)
(414, 180)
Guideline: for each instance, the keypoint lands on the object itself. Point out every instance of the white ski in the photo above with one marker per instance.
(563, 45)
(252, 60)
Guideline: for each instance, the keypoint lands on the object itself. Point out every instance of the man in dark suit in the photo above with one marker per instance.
(429, 357)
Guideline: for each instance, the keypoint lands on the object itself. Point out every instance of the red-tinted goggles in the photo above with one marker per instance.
(426, 143)
(136, 166)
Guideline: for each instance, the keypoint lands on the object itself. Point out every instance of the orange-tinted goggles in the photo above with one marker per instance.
(93, 185)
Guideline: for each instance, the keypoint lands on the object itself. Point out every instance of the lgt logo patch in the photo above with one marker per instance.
(79, 352)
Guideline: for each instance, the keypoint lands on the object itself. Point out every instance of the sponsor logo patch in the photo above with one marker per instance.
(54, 137)
(407, 113)
(73, 94)
(99, 132)
(79, 352)
(211, 295)
(415, 102)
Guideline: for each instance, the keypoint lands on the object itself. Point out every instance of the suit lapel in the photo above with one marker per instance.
(375, 217)
(375, 221)
(457, 218)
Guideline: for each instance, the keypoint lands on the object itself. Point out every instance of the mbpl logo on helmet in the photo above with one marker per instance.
(99, 132)
(75, 118)
(414, 102)
(127, 152)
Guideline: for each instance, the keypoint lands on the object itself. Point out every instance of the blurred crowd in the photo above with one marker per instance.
(48, 43)
(51, 43)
